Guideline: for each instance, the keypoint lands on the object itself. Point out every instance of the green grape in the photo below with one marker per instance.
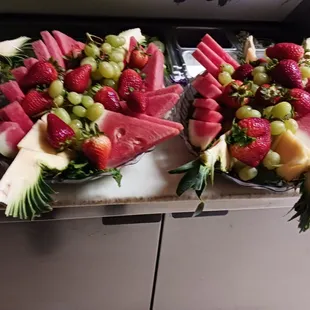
(261, 78)
(120, 50)
(90, 61)
(121, 65)
(241, 113)
(282, 110)
(160, 45)
(56, 88)
(91, 50)
(73, 116)
(259, 69)
(106, 48)
(87, 101)
(76, 125)
(267, 112)
(277, 127)
(291, 125)
(254, 88)
(117, 76)
(117, 56)
(247, 173)
(253, 113)
(106, 69)
(121, 40)
(224, 78)
(227, 68)
(59, 101)
(95, 111)
(116, 68)
(96, 76)
(110, 82)
(272, 160)
(62, 114)
(79, 111)
(305, 72)
(74, 97)
(115, 41)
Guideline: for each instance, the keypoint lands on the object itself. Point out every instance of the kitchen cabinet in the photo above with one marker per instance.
(78, 264)
(244, 260)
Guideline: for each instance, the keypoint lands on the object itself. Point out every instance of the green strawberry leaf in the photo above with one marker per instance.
(239, 136)
(199, 209)
(185, 167)
(188, 180)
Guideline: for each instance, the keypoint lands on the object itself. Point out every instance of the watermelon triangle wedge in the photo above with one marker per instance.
(159, 105)
(66, 43)
(12, 91)
(19, 73)
(41, 50)
(132, 45)
(131, 136)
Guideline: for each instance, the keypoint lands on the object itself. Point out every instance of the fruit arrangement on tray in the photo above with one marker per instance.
(78, 111)
(250, 121)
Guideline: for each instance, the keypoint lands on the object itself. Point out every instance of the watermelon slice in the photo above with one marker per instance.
(201, 134)
(207, 91)
(209, 104)
(216, 59)
(41, 50)
(207, 115)
(15, 113)
(19, 73)
(29, 62)
(12, 91)
(210, 79)
(66, 43)
(159, 105)
(176, 88)
(202, 82)
(206, 62)
(53, 47)
(10, 135)
(132, 45)
(151, 49)
(213, 45)
(131, 136)
(154, 71)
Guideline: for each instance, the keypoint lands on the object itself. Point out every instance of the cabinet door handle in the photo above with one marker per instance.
(202, 214)
(131, 219)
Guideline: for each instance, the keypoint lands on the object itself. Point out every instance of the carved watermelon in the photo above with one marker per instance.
(207, 91)
(159, 105)
(210, 79)
(132, 45)
(19, 73)
(29, 62)
(41, 50)
(207, 115)
(206, 62)
(206, 104)
(131, 136)
(201, 134)
(12, 91)
(177, 89)
(66, 43)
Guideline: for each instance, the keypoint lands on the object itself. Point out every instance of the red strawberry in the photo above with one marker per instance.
(287, 73)
(42, 72)
(236, 94)
(300, 99)
(267, 94)
(138, 59)
(109, 98)
(243, 72)
(98, 149)
(250, 140)
(77, 80)
(137, 101)
(129, 80)
(36, 102)
(58, 132)
(285, 51)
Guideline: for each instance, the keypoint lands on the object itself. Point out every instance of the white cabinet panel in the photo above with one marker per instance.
(246, 260)
(77, 265)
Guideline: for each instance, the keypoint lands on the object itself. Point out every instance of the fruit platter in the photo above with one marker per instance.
(75, 111)
(249, 120)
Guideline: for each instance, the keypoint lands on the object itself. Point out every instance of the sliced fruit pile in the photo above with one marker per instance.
(261, 110)
(98, 105)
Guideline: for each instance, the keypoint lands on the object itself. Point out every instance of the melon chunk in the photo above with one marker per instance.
(154, 71)
(159, 105)
(15, 113)
(207, 91)
(207, 115)
(206, 62)
(201, 134)
(12, 91)
(10, 135)
(131, 136)
(176, 88)
(19, 73)
(66, 43)
(41, 50)
(53, 48)
(209, 41)
(209, 104)
(216, 59)
(29, 62)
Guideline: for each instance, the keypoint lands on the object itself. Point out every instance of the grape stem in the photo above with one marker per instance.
(94, 39)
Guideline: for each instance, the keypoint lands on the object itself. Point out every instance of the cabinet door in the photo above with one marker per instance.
(245, 260)
(77, 265)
